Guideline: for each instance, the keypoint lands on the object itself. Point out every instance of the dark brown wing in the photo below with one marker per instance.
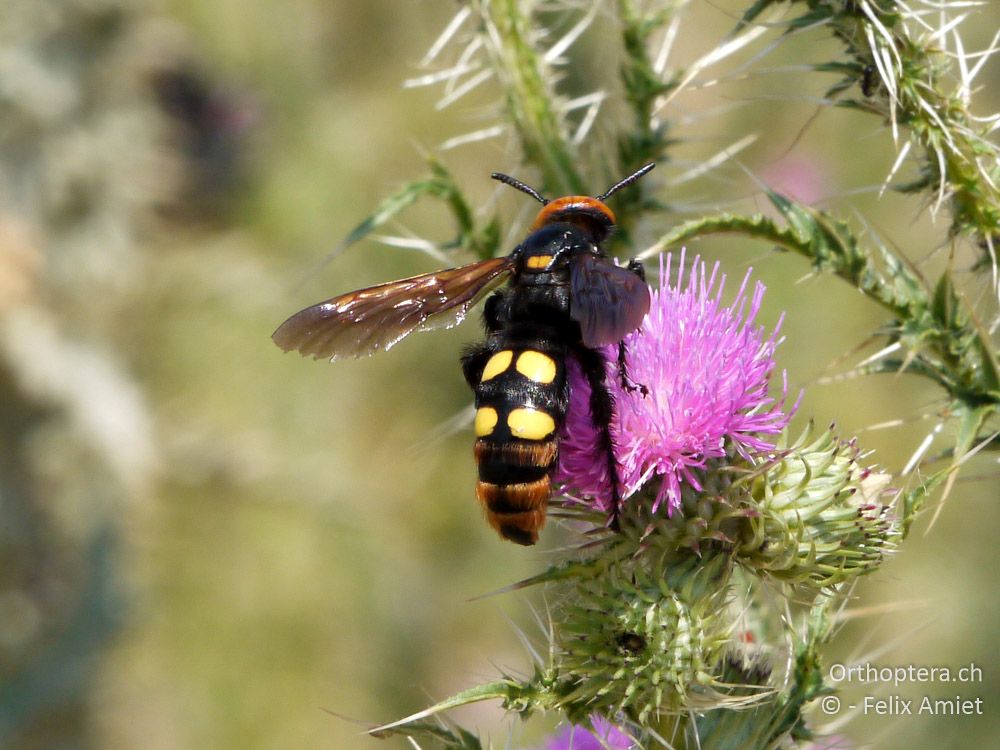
(607, 301)
(372, 319)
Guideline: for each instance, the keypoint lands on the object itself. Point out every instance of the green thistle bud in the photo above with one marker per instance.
(644, 645)
(713, 515)
(820, 519)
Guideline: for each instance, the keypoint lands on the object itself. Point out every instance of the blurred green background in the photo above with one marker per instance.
(208, 544)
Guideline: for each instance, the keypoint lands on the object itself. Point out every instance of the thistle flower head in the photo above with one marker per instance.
(601, 735)
(821, 517)
(812, 514)
(705, 368)
(645, 645)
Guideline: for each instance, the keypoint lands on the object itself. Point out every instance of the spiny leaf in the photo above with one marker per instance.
(988, 374)
(531, 97)
(944, 344)
(945, 301)
(500, 689)
(393, 205)
(459, 739)
(482, 243)
(970, 424)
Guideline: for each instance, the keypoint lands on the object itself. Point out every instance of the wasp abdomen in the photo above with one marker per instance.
(516, 511)
(520, 400)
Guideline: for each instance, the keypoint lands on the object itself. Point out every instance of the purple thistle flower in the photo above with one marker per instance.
(603, 736)
(707, 369)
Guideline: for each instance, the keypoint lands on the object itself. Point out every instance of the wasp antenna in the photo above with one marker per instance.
(515, 183)
(626, 182)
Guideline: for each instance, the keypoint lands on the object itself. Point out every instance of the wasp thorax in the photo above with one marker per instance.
(589, 214)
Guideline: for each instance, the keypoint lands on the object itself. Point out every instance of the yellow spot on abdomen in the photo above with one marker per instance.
(538, 262)
(486, 420)
(537, 366)
(530, 424)
(497, 364)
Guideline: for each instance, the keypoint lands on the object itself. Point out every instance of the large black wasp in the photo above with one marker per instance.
(565, 299)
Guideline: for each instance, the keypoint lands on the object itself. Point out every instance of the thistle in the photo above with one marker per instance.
(820, 517)
(642, 645)
(600, 735)
(704, 371)
(648, 615)
(694, 614)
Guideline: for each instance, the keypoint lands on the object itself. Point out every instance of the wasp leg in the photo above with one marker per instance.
(628, 384)
(636, 267)
(496, 311)
(602, 408)
(474, 360)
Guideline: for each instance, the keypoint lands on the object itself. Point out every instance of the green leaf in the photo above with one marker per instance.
(753, 12)
(459, 739)
(945, 301)
(504, 689)
(391, 206)
(481, 243)
(988, 376)
(970, 424)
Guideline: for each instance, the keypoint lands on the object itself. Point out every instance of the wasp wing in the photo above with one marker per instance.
(608, 301)
(372, 319)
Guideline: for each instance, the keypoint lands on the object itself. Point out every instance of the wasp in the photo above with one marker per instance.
(564, 298)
